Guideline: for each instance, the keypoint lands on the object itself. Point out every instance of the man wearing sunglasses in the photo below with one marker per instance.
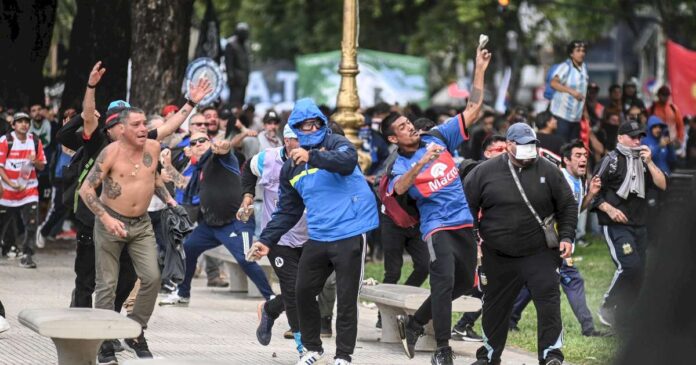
(323, 177)
(570, 81)
(622, 208)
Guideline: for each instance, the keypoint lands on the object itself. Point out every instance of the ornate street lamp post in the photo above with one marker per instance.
(347, 102)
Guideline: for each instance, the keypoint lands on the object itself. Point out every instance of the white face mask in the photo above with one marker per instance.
(526, 151)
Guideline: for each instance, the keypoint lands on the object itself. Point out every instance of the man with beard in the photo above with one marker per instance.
(211, 117)
(502, 192)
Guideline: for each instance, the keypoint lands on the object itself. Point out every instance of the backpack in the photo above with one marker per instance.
(10, 142)
(401, 209)
(548, 90)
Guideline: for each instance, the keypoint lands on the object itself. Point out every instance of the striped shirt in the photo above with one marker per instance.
(13, 161)
(564, 105)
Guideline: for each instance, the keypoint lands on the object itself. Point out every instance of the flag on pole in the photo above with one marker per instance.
(682, 77)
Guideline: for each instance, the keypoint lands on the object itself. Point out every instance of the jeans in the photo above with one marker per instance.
(29, 215)
(233, 237)
(568, 130)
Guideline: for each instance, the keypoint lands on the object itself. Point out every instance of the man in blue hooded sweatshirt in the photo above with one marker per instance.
(323, 177)
(657, 138)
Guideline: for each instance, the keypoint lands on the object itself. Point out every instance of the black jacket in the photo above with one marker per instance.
(506, 225)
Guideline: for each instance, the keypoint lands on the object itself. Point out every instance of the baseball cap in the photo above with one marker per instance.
(169, 109)
(288, 133)
(115, 107)
(20, 115)
(118, 104)
(631, 128)
(271, 115)
(521, 133)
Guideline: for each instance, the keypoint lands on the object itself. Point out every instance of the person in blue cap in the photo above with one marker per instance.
(323, 178)
(513, 244)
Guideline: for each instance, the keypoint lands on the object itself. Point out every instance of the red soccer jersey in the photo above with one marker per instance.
(13, 161)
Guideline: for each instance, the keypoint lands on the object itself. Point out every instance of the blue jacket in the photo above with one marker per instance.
(662, 156)
(330, 186)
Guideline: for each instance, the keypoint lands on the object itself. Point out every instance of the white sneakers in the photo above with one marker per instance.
(315, 358)
(40, 239)
(311, 358)
(4, 324)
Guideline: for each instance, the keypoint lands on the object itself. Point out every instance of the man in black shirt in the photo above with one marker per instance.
(548, 139)
(626, 173)
(513, 245)
(216, 179)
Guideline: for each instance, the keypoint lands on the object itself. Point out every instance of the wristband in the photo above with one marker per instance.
(91, 86)
(191, 103)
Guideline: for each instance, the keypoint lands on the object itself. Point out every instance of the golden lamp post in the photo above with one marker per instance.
(347, 101)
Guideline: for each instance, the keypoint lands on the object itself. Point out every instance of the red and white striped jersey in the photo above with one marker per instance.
(12, 161)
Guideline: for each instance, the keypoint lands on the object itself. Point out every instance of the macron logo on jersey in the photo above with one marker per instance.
(442, 172)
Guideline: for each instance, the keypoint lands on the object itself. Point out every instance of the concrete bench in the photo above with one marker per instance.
(239, 281)
(394, 299)
(78, 332)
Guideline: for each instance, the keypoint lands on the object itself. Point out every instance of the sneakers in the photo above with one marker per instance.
(116, 345)
(288, 335)
(310, 358)
(442, 356)
(175, 300)
(168, 287)
(326, 327)
(40, 239)
(27, 262)
(341, 362)
(606, 315)
(139, 346)
(582, 243)
(595, 333)
(218, 283)
(4, 324)
(263, 331)
(553, 361)
(409, 331)
(466, 333)
(106, 355)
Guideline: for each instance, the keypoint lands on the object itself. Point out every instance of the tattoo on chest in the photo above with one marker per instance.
(112, 189)
(147, 159)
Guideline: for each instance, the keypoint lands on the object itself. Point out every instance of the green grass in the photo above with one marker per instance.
(596, 267)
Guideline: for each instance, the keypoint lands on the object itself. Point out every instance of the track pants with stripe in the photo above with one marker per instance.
(505, 276)
(319, 259)
(452, 270)
(233, 236)
(627, 245)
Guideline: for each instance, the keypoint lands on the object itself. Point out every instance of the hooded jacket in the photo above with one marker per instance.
(662, 156)
(337, 198)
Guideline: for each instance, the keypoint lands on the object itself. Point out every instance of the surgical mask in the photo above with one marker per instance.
(526, 151)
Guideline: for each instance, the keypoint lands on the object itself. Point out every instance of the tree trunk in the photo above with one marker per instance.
(101, 32)
(26, 27)
(159, 51)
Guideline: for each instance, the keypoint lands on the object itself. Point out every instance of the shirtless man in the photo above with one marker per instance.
(128, 170)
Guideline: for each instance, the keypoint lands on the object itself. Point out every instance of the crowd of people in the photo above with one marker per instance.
(491, 206)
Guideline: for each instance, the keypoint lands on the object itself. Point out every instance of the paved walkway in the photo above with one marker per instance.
(218, 325)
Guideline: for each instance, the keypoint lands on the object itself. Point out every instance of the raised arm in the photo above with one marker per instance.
(88, 105)
(473, 107)
(196, 93)
(98, 174)
(180, 181)
(342, 158)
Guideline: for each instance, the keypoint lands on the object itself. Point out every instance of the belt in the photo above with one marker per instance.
(124, 219)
